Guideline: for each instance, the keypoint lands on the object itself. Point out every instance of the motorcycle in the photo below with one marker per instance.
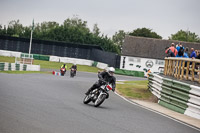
(72, 72)
(97, 96)
(62, 71)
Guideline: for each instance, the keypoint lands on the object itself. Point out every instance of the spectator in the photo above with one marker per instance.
(193, 54)
(186, 53)
(179, 46)
(197, 66)
(171, 51)
(181, 53)
(198, 56)
(197, 53)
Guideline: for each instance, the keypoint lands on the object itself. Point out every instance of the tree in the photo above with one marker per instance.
(144, 32)
(96, 30)
(2, 30)
(185, 36)
(118, 38)
(73, 30)
(15, 28)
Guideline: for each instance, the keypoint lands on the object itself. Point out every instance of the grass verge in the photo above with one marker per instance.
(135, 90)
(7, 59)
(47, 65)
(24, 72)
(56, 65)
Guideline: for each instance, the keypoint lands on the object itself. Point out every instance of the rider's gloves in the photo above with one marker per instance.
(102, 81)
(113, 89)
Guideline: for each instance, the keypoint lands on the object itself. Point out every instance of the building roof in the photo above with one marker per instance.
(150, 48)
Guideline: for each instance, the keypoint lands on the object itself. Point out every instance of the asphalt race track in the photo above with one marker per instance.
(44, 103)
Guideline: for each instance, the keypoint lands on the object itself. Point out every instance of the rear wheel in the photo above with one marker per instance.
(87, 99)
(100, 100)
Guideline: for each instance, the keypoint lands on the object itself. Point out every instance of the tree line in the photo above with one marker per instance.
(75, 30)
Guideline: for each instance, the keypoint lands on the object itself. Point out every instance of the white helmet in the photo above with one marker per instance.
(111, 70)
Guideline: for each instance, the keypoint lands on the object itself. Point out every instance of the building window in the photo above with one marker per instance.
(138, 60)
(131, 59)
(160, 62)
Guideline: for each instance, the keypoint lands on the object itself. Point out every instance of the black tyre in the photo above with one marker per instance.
(87, 99)
(72, 74)
(62, 74)
(99, 100)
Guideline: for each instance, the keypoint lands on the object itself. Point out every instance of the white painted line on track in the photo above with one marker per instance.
(196, 128)
(121, 80)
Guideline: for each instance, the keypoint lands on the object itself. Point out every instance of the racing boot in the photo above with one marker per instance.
(89, 90)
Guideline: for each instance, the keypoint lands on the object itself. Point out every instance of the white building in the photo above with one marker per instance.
(141, 54)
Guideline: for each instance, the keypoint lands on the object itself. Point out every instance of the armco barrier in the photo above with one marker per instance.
(41, 57)
(4, 66)
(175, 95)
(129, 73)
(20, 54)
(102, 65)
(10, 53)
(71, 60)
(78, 61)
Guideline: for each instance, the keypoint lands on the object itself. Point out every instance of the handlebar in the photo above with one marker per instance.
(102, 81)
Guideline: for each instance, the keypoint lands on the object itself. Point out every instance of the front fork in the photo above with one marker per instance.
(103, 93)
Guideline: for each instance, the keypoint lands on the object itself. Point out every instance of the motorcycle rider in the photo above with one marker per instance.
(103, 78)
(74, 67)
(63, 66)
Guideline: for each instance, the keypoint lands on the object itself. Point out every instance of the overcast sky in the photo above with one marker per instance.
(165, 17)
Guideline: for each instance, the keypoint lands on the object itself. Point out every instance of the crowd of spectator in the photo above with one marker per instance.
(180, 51)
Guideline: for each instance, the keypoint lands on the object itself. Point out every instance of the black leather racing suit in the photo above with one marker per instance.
(103, 76)
(75, 68)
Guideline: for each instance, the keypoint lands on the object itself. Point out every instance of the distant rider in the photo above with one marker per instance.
(63, 66)
(74, 67)
(103, 78)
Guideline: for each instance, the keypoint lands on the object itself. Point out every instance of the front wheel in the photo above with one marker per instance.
(72, 74)
(62, 74)
(87, 99)
(100, 100)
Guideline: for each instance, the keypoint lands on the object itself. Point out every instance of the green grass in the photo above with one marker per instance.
(24, 72)
(56, 65)
(50, 65)
(134, 89)
(7, 59)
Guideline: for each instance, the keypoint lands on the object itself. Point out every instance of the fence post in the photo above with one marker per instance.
(187, 71)
(193, 67)
(173, 67)
(183, 69)
(166, 64)
(179, 69)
